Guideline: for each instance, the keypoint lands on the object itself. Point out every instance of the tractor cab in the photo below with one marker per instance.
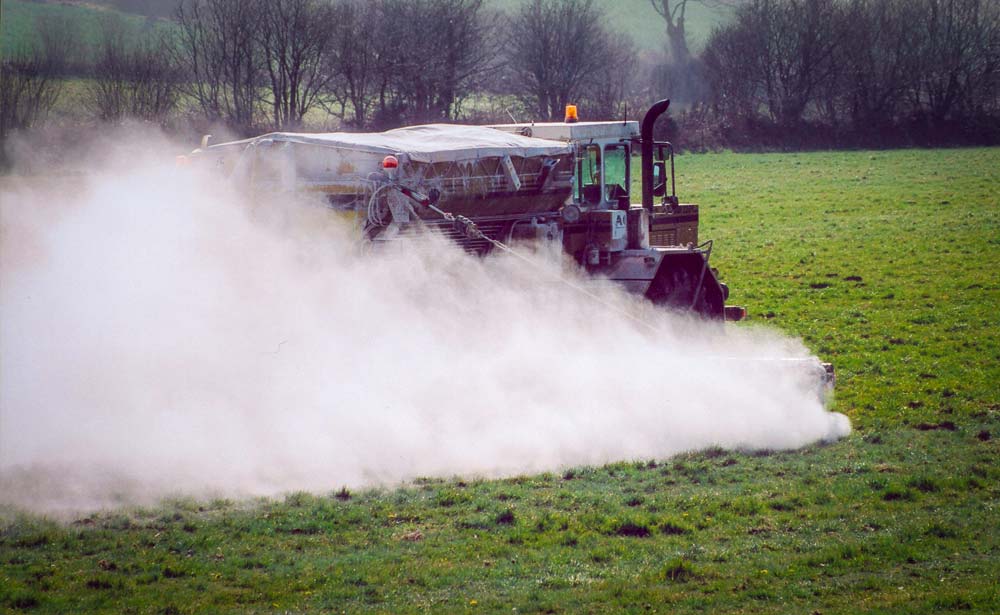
(602, 158)
(649, 244)
(603, 169)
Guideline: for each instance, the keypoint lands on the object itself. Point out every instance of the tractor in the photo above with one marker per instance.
(485, 187)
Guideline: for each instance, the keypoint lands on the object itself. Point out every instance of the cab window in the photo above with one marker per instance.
(589, 174)
(615, 172)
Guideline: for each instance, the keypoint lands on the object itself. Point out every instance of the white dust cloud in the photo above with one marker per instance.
(161, 336)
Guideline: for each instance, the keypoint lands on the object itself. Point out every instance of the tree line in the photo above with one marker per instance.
(780, 72)
(256, 65)
(854, 72)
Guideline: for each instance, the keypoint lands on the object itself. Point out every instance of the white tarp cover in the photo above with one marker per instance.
(430, 143)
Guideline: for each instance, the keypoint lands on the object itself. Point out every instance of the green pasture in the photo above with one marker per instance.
(640, 20)
(19, 23)
(884, 262)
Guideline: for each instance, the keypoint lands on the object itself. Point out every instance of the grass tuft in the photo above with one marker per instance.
(951, 603)
(672, 528)
(898, 494)
(506, 517)
(632, 529)
(23, 601)
(678, 570)
(938, 529)
(925, 484)
(451, 497)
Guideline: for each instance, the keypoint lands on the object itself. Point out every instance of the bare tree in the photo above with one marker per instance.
(801, 50)
(28, 90)
(133, 75)
(294, 36)
(608, 89)
(555, 45)
(781, 52)
(896, 69)
(59, 42)
(219, 51)
(30, 82)
(356, 64)
(440, 47)
(879, 65)
(674, 14)
(959, 56)
(735, 71)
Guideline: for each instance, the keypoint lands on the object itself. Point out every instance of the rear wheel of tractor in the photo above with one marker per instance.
(710, 302)
(673, 288)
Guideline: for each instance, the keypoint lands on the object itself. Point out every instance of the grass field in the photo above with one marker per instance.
(885, 262)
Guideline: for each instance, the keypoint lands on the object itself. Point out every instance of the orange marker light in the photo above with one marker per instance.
(390, 162)
(571, 116)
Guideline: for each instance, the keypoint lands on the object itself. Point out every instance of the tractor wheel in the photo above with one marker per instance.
(675, 282)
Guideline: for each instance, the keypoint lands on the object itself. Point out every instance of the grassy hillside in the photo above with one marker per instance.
(885, 263)
(19, 19)
(635, 18)
(644, 24)
(638, 19)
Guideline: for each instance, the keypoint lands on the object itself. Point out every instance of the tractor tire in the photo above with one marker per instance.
(675, 286)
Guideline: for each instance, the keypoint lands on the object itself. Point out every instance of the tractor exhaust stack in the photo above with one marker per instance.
(646, 141)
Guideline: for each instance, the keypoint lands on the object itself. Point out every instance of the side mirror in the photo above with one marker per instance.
(659, 178)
